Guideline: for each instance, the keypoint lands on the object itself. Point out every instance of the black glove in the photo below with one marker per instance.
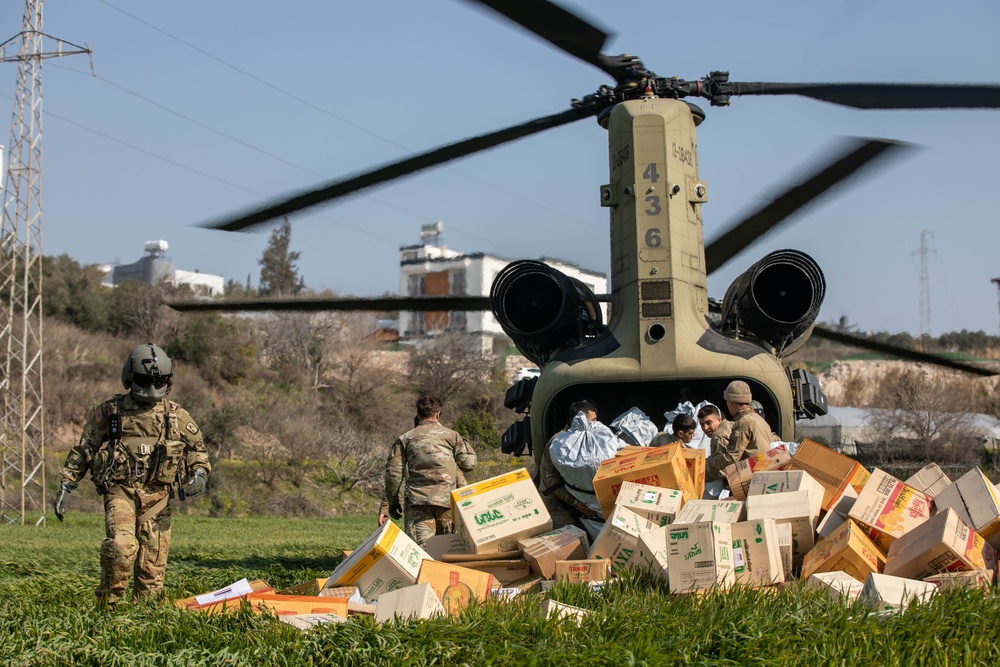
(395, 510)
(196, 484)
(59, 504)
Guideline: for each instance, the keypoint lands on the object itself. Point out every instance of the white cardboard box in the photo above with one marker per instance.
(619, 536)
(839, 585)
(492, 515)
(412, 602)
(794, 508)
(653, 503)
(387, 560)
(886, 593)
(756, 555)
(696, 511)
(700, 556)
(976, 502)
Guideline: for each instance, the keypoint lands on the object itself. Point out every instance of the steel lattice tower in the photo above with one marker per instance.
(22, 432)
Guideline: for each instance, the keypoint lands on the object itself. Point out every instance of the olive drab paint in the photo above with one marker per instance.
(659, 302)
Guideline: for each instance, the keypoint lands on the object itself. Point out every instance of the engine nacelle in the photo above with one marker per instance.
(777, 299)
(543, 310)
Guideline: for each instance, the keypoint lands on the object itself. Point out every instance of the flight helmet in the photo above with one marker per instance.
(147, 373)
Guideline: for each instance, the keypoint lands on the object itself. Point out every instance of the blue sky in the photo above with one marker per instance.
(202, 108)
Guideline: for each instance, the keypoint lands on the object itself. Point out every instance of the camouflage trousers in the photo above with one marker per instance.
(561, 513)
(425, 521)
(130, 548)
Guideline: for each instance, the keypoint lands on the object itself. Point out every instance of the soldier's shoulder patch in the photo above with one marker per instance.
(190, 426)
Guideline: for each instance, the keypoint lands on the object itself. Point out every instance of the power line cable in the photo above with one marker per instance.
(329, 113)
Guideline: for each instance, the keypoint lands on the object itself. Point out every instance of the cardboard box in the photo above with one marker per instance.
(739, 473)
(695, 460)
(311, 587)
(700, 556)
(786, 481)
(575, 571)
(949, 581)
(653, 503)
(756, 557)
(654, 466)
(558, 610)
(887, 508)
(352, 593)
(412, 602)
(618, 538)
(943, 543)
(387, 560)
(542, 551)
(886, 593)
(191, 603)
(794, 508)
(651, 552)
(838, 585)
(837, 514)
(834, 471)
(281, 605)
(930, 480)
(530, 583)
(504, 571)
(492, 515)
(455, 586)
(847, 549)
(976, 502)
(440, 545)
(725, 511)
(310, 621)
(784, 531)
(360, 609)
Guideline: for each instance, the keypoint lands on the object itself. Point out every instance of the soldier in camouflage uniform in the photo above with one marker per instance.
(140, 449)
(750, 435)
(431, 459)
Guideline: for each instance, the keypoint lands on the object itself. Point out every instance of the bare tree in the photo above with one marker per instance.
(445, 365)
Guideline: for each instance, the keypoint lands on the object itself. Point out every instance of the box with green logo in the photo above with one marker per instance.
(492, 515)
(699, 556)
(652, 503)
(756, 556)
(618, 538)
(387, 560)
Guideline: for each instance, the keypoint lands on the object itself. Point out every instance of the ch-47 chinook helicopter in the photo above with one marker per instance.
(665, 340)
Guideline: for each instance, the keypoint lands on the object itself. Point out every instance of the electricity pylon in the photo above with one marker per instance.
(22, 431)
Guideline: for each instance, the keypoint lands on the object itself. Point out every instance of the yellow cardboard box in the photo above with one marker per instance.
(695, 459)
(847, 549)
(455, 586)
(311, 587)
(739, 473)
(654, 466)
(492, 515)
(575, 571)
(829, 468)
(943, 543)
(387, 560)
(887, 508)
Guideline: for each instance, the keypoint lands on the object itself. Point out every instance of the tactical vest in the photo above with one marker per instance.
(139, 455)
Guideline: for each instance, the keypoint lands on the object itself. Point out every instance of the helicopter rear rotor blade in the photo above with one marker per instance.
(833, 172)
(900, 352)
(320, 194)
(882, 95)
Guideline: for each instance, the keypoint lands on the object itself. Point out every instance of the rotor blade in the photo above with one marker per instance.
(340, 188)
(883, 95)
(372, 304)
(833, 172)
(900, 352)
(559, 27)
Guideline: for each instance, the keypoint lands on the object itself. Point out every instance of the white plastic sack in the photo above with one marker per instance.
(578, 451)
(635, 424)
(700, 440)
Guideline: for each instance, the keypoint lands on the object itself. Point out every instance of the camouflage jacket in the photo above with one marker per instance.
(716, 463)
(157, 441)
(751, 436)
(429, 457)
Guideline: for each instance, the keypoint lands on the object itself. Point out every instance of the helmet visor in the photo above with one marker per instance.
(145, 381)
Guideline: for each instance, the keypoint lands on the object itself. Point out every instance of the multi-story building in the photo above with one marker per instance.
(431, 269)
(154, 267)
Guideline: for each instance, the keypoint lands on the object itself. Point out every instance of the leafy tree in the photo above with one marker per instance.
(278, 274)
(75, 294)
(445, 365)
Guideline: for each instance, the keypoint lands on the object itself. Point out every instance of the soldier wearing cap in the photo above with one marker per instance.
(431, 459)
(750, 434)
(141, 450)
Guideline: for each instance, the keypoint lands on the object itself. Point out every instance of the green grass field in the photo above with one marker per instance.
(48, 617)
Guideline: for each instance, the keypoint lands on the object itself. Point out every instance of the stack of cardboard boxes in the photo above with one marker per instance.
(817, 516)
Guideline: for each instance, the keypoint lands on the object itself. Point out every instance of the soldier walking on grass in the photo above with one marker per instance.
(140, 450)
(433, 458)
